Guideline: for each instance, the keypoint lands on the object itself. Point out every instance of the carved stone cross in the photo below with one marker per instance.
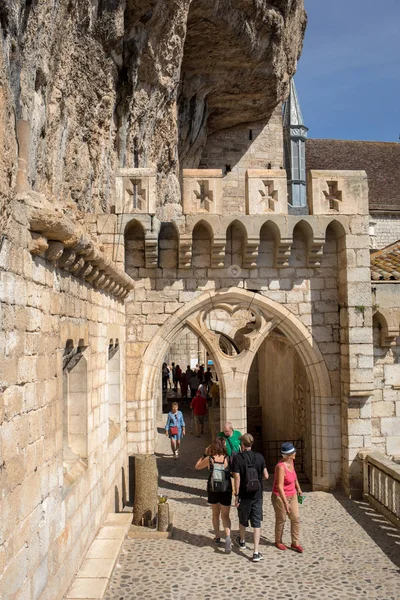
(136, 195)
(333, 195)
(268, 196)
(204, 196)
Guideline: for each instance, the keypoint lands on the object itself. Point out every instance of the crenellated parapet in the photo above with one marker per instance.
(283, 228)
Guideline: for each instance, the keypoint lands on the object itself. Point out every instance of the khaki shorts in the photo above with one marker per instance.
(199, 419)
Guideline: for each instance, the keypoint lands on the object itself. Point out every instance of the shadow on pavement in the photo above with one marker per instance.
(381, 531)
(185, 489)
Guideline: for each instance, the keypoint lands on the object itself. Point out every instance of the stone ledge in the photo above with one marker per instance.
(92, 579)
(63, 241)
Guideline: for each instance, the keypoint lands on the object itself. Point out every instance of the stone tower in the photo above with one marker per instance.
(295, 135)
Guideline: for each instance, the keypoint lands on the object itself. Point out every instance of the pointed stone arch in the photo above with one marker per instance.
(233, 370)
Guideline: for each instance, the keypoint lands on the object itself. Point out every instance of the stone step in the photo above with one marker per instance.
(92, 579)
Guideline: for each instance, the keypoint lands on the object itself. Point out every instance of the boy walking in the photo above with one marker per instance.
(248, 469)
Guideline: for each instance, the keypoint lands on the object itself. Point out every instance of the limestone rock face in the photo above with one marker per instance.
(114, 83)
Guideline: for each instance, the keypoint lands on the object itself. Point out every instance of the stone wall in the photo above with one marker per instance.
(309, 293)
(386, 401)
(186, 347)
(385, 230)
(63, 452)
(254, 145)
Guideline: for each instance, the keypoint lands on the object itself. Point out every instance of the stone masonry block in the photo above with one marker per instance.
(390, 426)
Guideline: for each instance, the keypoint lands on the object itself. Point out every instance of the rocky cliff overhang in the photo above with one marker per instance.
(135, 83)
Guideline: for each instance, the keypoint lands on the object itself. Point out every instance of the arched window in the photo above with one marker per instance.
(113, 389)
(201, 249)
(302, 234)
(134, 248)
(235, 244)
(75, 406)
(168, 247)
(266, 253)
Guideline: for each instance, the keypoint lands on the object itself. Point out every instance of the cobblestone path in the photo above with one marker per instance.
(350, 551)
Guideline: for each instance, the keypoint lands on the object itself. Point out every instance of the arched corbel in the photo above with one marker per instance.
(250, 254)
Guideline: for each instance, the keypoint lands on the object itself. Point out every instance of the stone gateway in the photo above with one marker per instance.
(156, 206)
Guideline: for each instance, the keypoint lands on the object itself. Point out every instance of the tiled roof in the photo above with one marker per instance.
(381, 161)
(385, 263)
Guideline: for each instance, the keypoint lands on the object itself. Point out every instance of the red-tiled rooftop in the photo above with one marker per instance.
(385, 263)
(381, 161)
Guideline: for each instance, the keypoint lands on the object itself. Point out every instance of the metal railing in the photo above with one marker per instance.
(381, 484)
(273, 453)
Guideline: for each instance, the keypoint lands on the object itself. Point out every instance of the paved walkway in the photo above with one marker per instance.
(350, 551)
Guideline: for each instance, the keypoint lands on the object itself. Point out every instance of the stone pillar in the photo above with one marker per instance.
(356, 349)
(23, 137)
(233, 403)
(145, 489)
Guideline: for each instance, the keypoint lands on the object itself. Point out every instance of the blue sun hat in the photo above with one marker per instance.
(287, 448)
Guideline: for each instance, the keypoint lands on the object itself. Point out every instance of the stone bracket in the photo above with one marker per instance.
(185, 251)
(218, 252)
(283, 249)
(315, 252)
(251, 253)
(151, 251)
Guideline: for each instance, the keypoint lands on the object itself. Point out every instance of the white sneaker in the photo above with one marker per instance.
(228, 545)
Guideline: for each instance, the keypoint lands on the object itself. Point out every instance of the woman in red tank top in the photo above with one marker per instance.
(284, 497)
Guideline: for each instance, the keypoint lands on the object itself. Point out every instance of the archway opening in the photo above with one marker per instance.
(188, 367)
(279, 402)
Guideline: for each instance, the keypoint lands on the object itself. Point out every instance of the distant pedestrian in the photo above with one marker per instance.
(184, 385)
(219, 488)
(248, 469)
(194, 383)
(208, 379)
(175, 428)
(165, 376)
(178, 377)
(199, 407)
(284, 497)
(173, 370)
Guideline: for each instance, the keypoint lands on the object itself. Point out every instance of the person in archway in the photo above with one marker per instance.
(178, 378)
(193, 383)
(215, 457)
(199, 407)
(248, 469)
(232, 440)
(284, 497)
(184, 385)
(175, 428)
(208, 379)
(165, 377)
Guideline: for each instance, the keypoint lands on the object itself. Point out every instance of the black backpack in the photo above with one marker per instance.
(251, 479)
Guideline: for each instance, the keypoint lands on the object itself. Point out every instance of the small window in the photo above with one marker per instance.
(250, 134)
(228, 168)
(75, 406)
(113, 390)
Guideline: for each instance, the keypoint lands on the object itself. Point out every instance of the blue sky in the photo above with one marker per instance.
(348, 77)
